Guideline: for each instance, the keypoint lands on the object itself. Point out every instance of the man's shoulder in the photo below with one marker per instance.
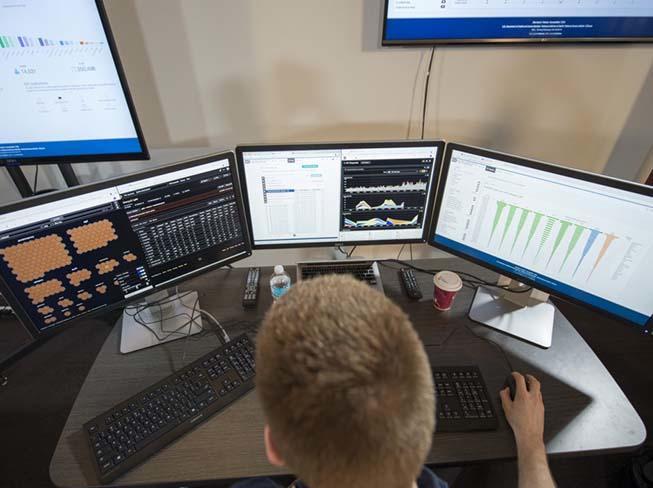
(428, 479)
(256, 483)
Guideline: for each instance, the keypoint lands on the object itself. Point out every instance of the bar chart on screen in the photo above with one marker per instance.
(580, 239)
(577, 247)
(560, 229)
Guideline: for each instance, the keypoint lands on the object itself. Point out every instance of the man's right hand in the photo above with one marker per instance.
(525, 413)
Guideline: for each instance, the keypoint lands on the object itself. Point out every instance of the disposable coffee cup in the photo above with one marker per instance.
(447, 285)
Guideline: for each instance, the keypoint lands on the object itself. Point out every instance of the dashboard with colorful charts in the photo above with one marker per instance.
(339, 193)
(587, 240)
(59, 83)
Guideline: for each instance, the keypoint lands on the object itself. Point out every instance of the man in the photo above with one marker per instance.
(348, 398)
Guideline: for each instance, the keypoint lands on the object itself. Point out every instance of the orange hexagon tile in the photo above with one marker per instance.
(84, 295)
(92, 236)
(40, 292)
(66, 302)
(77, 277)
(106, 266)
(130, 257)
(32, 259)
(45, 310)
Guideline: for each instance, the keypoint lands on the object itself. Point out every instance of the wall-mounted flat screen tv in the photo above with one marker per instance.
(409, 22)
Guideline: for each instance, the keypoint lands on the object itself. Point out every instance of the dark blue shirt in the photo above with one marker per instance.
(428, 479)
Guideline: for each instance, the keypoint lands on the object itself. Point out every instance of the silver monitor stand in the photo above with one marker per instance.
(527, 316)
(161, 317)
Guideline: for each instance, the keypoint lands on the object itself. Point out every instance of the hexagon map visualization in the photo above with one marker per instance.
(72, 268)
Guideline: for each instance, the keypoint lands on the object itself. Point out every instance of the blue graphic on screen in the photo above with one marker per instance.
(579, 239)
(59, 85)
(419, 20)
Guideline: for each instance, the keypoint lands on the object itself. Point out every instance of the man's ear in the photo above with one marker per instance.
(270, 450)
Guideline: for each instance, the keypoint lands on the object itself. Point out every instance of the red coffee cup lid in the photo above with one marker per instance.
(448, 281)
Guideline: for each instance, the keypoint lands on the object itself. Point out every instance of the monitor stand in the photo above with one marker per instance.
(172, 315)
(526, 316)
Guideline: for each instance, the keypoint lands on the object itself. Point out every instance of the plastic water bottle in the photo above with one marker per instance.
(280, 282)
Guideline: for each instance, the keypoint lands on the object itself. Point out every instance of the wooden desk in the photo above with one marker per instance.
(586, 411)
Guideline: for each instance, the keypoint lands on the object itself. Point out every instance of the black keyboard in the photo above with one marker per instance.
(134, 430)
(463, 404)
(363, 271)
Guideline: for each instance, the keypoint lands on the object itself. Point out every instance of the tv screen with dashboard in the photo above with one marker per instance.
(408, 22)
(63, 94)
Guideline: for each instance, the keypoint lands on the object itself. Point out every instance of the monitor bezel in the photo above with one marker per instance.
(539, 165)
(439, 144)
(144, 154)
(24, 318)
(500, 40)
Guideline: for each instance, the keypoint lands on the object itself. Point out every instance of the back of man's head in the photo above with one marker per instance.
(345, 385)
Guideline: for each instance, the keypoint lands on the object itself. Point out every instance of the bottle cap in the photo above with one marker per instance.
(278, 269)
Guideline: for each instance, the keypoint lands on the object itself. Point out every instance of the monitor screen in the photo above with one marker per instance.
(459, 21)
(66, 255)
(580, 236)
(61, 85)
(359, 193)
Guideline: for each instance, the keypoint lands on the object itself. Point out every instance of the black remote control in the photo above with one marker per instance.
(250, 296)
(410, 283)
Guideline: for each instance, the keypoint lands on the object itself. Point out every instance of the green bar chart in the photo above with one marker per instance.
(551, 235)
(7, 42)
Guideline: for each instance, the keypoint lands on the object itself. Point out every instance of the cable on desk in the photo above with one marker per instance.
(470, 279)
(342, 251)
(400, 251)
(470, 284)
(493, 343)
(225, 336)
(190, 326)
(139, 308)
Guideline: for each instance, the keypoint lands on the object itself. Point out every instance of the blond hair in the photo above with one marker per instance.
(345, 385)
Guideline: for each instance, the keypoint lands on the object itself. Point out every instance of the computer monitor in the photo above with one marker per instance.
(411, 22)
(86, 250)
(584, 237)
(300, 195)
(62, 86)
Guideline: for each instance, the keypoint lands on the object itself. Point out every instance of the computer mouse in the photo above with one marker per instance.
(512, 384)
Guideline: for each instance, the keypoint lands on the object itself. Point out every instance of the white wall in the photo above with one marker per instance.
(223, 72)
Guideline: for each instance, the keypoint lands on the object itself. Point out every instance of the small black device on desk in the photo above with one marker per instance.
(250, 295)
(463, 404)
(409, 282)
(137, 428)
